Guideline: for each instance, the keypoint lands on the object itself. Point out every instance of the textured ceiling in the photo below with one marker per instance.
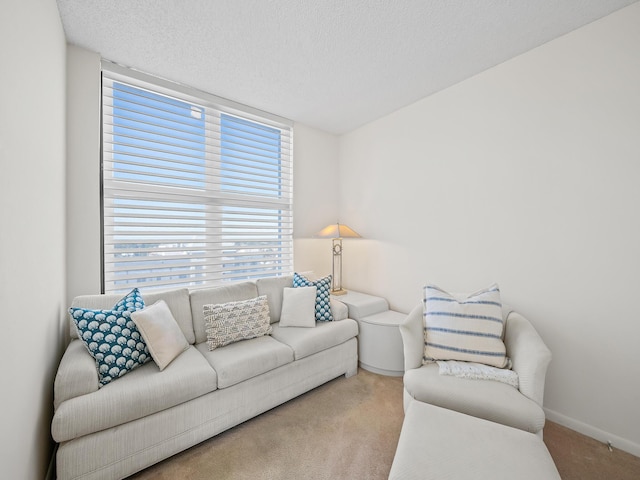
(331, 64)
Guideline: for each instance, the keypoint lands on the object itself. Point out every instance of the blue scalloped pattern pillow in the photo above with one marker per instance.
(112, 338)
(323, 295)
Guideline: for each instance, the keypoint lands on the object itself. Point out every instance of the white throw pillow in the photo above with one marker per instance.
(161, 333)
(298, 307)
(468, 330)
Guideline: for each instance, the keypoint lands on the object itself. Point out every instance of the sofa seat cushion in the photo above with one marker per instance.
(246, 359)
(143, 391)
(307, 341)
(488, 399)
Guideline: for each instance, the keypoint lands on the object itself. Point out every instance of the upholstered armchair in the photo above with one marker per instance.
(489, 399)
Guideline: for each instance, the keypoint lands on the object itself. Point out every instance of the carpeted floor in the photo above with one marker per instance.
(579, 457)
(348, 429)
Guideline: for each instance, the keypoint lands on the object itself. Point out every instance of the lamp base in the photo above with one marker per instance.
(342, 291)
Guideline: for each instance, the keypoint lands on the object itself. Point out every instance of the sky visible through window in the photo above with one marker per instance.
(157, 132)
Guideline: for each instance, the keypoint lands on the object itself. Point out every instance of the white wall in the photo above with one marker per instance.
(315, 197)
(32, 229)
(528, 175)
(83, 172)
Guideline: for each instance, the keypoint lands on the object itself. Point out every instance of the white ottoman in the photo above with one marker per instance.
(436, 443)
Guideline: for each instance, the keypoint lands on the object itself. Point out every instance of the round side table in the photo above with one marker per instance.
(380, 348)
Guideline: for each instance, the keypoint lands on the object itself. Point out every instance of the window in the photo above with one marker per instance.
(196, 191)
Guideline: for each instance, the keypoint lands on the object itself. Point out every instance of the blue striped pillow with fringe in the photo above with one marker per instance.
(468, 330)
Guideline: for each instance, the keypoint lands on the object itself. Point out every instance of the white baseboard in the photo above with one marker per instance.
(593, 432)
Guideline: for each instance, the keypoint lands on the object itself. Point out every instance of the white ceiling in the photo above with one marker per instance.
(331, 64)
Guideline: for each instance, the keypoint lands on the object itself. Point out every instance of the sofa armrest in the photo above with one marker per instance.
(339, 310)
(412, 332)
(77, 374)
(529, 354)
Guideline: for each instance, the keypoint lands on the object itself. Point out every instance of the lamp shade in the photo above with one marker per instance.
(337, 230)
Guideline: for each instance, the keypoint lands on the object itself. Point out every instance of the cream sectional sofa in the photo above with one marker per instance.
(149, 415)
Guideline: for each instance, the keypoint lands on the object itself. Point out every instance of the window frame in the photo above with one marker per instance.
(212, 196)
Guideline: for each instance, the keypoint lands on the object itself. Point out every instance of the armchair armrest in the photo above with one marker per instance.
(77, 374)
(412, 332)
(529, 354)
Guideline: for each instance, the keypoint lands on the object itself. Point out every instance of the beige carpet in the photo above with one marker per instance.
(345, 429)
(348, 429)
(579, 457)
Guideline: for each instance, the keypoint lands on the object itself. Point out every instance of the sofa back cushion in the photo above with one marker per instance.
(273, 288)
(217, 295)
(177, 300)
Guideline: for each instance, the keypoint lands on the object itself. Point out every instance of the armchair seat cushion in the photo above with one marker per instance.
(488, 399)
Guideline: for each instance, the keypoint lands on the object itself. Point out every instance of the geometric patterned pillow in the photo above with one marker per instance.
(234, 321)
(323, 295)
(468, 330)
(112, 338)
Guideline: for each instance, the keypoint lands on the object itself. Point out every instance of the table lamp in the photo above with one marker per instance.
(337, 232)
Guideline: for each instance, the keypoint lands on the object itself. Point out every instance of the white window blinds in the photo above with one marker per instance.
(195, 192)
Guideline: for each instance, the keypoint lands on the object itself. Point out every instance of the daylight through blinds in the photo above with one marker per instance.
(194, 193)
